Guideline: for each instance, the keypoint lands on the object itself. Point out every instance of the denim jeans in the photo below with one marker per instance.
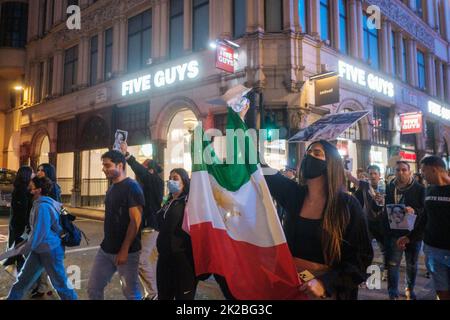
(438, 264)
(394, 257)
(53, 263)
(147, 262)
(103, 270)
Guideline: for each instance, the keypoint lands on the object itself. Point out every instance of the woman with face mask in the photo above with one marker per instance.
(325, 227)
(175, 275)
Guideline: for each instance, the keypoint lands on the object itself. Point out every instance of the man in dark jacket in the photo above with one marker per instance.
(153, 186)
(403, 190)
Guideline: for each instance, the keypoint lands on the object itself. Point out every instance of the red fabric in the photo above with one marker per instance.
(251, 272)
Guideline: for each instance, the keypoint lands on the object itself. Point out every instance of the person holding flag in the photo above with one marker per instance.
(325, 226)
(231, 218)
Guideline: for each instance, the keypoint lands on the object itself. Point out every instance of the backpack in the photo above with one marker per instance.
(71, 234)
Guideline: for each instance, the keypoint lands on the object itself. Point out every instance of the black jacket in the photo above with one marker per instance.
(344, 277)
(21, 204)
(153, 187)
(412, 196)
(172, 239)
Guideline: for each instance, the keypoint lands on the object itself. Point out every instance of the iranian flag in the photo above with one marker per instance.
(233, 223)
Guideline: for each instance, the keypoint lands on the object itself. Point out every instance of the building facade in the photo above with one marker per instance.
(13, 38)
(146, 67)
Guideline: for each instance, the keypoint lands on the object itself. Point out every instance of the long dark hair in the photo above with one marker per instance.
(336, 216)
(184, 177)
(23, 177)
(49, 170)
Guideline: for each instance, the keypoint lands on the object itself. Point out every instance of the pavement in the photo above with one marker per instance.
(79, 261)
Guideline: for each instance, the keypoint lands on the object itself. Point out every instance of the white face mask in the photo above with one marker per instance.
(173, 186)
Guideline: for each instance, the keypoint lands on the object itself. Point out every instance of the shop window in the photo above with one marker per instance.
(381, 135)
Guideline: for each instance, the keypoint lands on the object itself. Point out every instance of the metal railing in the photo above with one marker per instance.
(93, 192)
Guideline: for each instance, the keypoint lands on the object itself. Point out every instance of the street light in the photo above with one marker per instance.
(18, 88)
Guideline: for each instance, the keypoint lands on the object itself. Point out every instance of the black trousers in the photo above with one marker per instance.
(175, 277)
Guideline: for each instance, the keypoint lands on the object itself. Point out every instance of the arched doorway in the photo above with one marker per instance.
(178, 151)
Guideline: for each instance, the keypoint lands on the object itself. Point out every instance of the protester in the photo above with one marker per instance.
(153, 187)
(406, 191)
(21, 203)
(43, 246)
(46, 170)
(434, 224)
(120, 248)
(371, 197)
(175, 270)
(325, 227)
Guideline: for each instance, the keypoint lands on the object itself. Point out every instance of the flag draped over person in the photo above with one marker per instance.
(233, 223)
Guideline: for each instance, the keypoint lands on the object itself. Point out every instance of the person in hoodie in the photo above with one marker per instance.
(43, 248)
(46, 170)
(406, 191)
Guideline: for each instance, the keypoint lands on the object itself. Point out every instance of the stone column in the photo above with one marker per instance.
(156, 30)
(58, 70)
(446, 20)
(45, 79)
(335, 34)
(227, 16)
(123, 45)
(359, 28)
(430, 74)
(440, 79)
(188, 26)
(290, 15)
(447, 82)
(83, 62)
(385, 51)
(116, 47)
(314, 10)
(164, 40)
(58, 11)
(353, 25)
(429, 13)
(33, 23)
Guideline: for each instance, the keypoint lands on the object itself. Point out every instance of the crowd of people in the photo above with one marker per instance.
(329, 229)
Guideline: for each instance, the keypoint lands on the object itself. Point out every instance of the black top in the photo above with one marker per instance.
(153, 187)
(434, 223)
(369, 205)
(308, 239)
(172, 238)
(357, 253)
(412, 196)
(21, 203)
(120, 197)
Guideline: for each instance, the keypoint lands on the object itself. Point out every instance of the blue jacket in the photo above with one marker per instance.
(45, 227)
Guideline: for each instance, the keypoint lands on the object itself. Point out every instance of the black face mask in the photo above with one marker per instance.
(313, 168)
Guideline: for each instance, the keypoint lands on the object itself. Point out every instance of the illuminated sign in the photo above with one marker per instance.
(364, 79)
(438, 110)
(225, 58)
(327, 91)
(161, 78)
(411, 123)
(408, 156)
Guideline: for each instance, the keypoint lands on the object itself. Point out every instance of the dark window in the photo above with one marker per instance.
(108, 53)
(13, 24)
(70, 3)
(93, 63)
(70, 69)
(325, 20)
(139, 41)
(200, 24)
(421, 69)
(239, 18)
(176, 28)
(394, 54)
(419, 8)
(381, 134)
(135, 119)
(43, 17)
(343, 31)
(302, 12)
(430, 141)
(273, 15)
(371, 53)
(405, 62)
